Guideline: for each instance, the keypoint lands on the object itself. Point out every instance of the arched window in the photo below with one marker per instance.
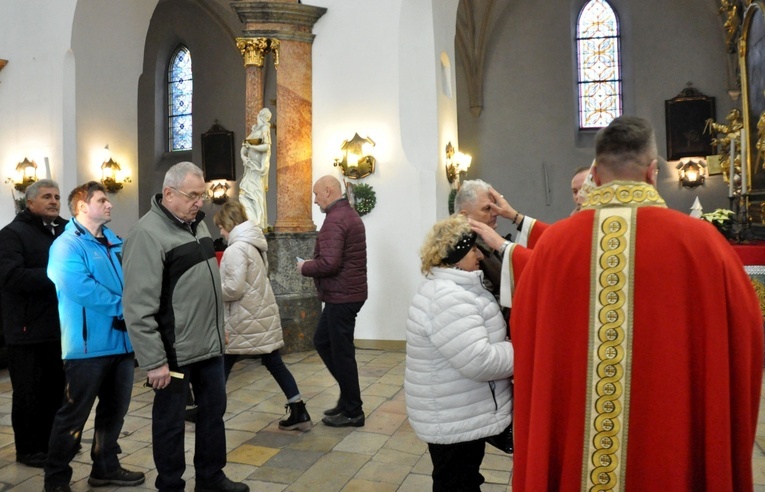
(599, 74)
(180, 88)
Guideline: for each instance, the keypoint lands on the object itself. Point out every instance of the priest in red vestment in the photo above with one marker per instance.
(638, 341)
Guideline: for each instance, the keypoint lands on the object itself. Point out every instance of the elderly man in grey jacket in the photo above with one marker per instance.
(174, 312)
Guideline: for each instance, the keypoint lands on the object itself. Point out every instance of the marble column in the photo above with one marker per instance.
(287, 26)
(294, 107)
(254, 52)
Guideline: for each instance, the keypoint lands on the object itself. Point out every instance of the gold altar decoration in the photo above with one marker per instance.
(723, 134)
(254, 50)
(732, 24)
(759, 160)
(759, 288)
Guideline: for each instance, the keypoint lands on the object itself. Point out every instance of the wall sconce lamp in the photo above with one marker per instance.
(219, 192)
(357, 162)
(457, 164)
(26, 174)
(112, 176)
(691, 173)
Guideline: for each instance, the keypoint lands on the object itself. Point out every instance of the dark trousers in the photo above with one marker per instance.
(37, 379)
(168, 426)
(456, 466)
(334, 343)
(275, 366)
(109, 378)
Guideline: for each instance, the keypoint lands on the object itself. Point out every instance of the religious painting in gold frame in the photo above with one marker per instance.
(751, 56)
(686, 116)
(751, 52)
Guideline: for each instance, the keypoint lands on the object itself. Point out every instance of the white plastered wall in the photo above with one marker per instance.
(35, 91)
(376, 71)
(68, 90)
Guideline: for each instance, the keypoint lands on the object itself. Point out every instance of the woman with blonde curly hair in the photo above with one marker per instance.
(458, 358)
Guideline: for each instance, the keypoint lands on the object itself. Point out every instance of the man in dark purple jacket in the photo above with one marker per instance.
(339, 269)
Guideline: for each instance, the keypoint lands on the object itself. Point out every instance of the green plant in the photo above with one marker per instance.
(722, 219)
(452, 195)
(364, 198)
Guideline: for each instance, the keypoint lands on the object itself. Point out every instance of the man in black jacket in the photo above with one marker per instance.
(30, 320)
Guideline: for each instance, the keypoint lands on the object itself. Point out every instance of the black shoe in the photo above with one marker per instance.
(337, 410)
(224, 485)
(343, 421)
(35, 460)
(57, 487)
(298, 419)
(120, 476)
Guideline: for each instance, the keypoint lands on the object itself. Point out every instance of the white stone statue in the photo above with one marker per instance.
(256, 156)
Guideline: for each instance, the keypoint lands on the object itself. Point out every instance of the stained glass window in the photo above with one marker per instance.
(599, 65)
(180, 88)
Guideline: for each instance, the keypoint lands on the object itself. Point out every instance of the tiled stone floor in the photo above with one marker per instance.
(384, 455)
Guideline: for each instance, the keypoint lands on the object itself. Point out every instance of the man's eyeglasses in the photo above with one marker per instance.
(193, 196)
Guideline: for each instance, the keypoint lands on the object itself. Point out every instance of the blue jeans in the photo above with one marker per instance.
(333, 340)
(168, 426)
(275, 366)
(109, 378)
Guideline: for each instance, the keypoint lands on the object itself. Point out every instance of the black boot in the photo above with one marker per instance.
(298, 419)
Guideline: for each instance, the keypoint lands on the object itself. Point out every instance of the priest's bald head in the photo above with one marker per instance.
(625, 150)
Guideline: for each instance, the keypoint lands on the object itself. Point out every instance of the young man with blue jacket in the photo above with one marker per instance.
(85, 265)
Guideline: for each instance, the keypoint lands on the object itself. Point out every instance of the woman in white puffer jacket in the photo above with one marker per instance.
(458, 358)
(253, 325)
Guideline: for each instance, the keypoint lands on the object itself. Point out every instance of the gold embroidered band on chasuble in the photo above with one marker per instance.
(609, 368)
(609, 365)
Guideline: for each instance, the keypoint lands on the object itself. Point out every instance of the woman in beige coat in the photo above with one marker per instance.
(253, 326)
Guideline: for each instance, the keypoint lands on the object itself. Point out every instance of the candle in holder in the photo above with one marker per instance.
(732, 166)
(744, 157)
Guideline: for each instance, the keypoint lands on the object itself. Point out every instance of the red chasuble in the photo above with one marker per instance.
(638, 353)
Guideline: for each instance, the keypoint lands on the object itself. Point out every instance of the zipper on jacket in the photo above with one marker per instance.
(108, 248)
(85, 328)
(215, 292)
(111, 262)
(492, 386)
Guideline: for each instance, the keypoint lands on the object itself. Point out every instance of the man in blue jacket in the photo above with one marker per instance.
(85, 265)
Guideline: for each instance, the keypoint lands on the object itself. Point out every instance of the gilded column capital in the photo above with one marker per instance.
(254, 50)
